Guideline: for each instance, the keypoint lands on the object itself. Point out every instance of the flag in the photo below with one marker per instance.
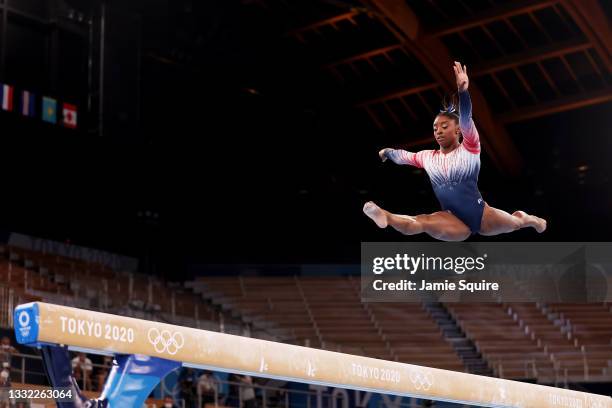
(6, 97)
(70, 116)
(28, 104)
(49, 113)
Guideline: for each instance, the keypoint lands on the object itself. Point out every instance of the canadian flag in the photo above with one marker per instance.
(70, 115)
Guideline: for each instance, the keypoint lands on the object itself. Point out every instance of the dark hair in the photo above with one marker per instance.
(450, 107)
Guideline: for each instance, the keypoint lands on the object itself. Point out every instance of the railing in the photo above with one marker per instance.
(25, 370)
(560, 375)
(6, 306)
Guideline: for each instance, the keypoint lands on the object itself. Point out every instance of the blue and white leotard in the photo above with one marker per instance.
(454, 176)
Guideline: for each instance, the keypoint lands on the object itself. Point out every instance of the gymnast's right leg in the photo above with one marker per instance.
(441, 225)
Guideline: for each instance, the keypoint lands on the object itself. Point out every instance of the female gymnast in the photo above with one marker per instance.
(453, 171)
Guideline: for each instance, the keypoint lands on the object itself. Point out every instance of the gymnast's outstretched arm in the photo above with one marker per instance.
(399, 156)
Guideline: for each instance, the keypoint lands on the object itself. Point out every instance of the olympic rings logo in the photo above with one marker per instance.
(166, 342)
(24, 318)
(421, 381)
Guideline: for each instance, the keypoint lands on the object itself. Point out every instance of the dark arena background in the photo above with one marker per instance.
(205, 164)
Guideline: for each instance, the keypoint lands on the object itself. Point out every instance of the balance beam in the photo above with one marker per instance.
(40, 324)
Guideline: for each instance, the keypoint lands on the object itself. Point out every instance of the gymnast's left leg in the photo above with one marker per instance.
(495, 222)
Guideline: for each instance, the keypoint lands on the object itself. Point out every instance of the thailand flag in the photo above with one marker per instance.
(28, 103)
(6, 95)
(70, 116)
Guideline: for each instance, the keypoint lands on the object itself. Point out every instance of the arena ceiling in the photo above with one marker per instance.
(261, 119)
(391, 59)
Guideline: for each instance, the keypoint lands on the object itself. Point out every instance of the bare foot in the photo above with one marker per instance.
(377, 214)
(539, 224)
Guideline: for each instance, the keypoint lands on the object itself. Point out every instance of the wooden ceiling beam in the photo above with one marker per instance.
(557, 106)
(591, 19)
(494, 14)
(321, 23)
(363, 55)
(531, 56)
(399, 94)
